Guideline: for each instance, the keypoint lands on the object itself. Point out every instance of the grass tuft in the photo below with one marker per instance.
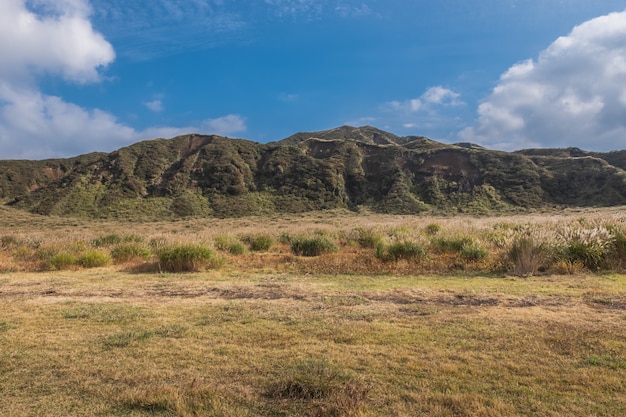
(186, 258)
(313, 246)
(526, 256)
(322, 386)
(262, 242)
(407, 250)
(93, 258)
(128, 252)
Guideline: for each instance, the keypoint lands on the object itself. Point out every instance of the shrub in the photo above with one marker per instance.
(313, 246)
(186, 258)
(526, 256)
(63, 260)
(108, 240)
(93, 259)
(114, 239)
(592, 247)
(400, 250)
(285, 238)
(237, 248)
(128, 252)
(223, 242)
(454, 245)
(261, 242)
(432, 229)
(368, 238)
(473, 252)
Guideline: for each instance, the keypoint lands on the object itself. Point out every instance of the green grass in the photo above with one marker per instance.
(186, 258)
(93, 258)
(313, 246)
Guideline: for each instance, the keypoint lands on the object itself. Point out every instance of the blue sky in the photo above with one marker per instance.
(94, 75)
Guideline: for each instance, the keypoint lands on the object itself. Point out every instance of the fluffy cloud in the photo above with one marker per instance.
(226, 125)
(155, 105)
(56, 37)
(60, 40)
(574, 94)
(34, 125)
(437, 95)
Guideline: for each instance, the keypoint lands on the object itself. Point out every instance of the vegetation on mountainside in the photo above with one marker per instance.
(359, 169)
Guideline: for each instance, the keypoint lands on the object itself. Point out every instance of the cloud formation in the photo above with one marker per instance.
(56, 37)
(59, 41)
(573, 94)
(437, 95)
(225, 125)
(155, 105)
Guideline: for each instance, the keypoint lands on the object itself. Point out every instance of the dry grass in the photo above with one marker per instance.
(268, 334)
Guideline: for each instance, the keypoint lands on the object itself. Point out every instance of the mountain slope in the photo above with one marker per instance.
(196, 175)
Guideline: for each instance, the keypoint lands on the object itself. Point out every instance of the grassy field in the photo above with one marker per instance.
(268, 333)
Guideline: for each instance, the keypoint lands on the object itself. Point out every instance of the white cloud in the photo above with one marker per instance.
(437, 95)
(155, 105)
(34, 126)
(61, 42)
(56, 37)
(574, 94)
(226, 125)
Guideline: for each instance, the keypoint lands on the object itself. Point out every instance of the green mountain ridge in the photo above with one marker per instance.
(354, 168)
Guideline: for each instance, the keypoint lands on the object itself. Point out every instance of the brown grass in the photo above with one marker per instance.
(274, 334)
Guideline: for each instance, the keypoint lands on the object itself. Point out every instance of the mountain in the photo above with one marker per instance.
(346, 167)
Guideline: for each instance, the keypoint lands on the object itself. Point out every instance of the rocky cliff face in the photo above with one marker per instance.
(354, 168)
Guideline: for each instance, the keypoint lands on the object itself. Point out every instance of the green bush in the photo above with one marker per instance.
(108, 240)
(261, 242)
(473, 252)
(400, 250)
(432, 229)
(368, 238)
(237, 248)
(593, 257)
(63, 260)
(186, 258)
(454, 245)
(115, 239)
(128, 252)
(93, 259)
(313, 246)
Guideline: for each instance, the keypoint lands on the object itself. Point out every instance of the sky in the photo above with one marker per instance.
(79, 76)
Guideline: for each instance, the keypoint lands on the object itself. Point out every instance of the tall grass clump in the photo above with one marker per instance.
(406, 249)
(452, 244)
(313, 246)
(432, 229)
(186, 258)
(127, 252)
(237, 248)
(93, 258)
(367, 238)
(591, 247)
(62, 260)
(230, 244)
(526, 256)
(114, 239)
(262, 242)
